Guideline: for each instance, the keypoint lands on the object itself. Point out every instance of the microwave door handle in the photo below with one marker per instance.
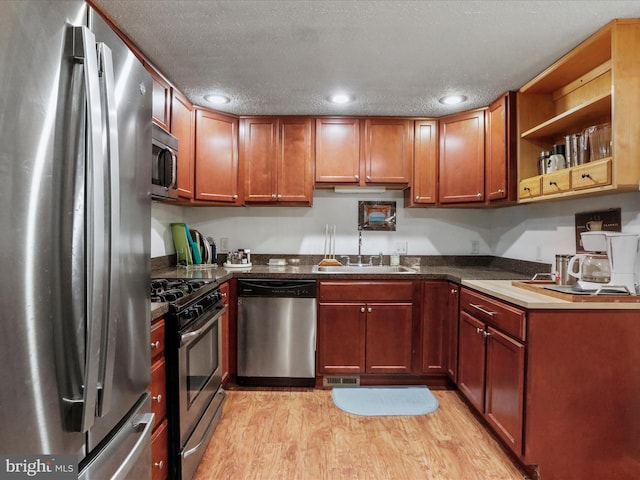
(86, 238)
(174, 171)
(111, 313)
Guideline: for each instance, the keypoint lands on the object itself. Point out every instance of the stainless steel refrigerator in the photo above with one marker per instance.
(75, 151)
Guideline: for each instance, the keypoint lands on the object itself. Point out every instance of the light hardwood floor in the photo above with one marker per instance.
(302, 435)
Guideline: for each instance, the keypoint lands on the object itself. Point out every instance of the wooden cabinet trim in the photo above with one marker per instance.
(510, 319)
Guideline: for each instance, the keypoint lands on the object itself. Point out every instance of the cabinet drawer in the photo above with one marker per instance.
(366, 291)
(530, 187)
(509, 319)
(160, 452)
(157, 338)
(158, 389)
(556, 182)
(591, 174)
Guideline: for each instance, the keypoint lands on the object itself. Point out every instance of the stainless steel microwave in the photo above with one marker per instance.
(164, 166)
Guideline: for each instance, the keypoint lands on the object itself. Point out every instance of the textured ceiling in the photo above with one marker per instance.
(395, 57)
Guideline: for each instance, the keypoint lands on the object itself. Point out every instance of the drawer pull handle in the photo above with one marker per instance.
(155, 344)
(159, 465)
(585, 175)
(486, 312)
(527, 189)
(552, 183)
(157, 398)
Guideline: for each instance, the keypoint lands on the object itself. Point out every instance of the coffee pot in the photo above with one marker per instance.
(612, 265)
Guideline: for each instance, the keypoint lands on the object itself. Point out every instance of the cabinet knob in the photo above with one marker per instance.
(369, 310)
(357, 177)
(155, 344)
(479, 330)
(235, 197)
(585, 175)
(158, 465)
(485, 333)
(223, 295)
(478, 195)
(417, 198)
(362, 309)
(500, 190)
(368, 178)
(157, 398)
(454, 291)
(279, 195)
(273, 195)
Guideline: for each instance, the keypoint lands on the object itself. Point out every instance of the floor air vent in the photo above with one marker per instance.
(341, 381)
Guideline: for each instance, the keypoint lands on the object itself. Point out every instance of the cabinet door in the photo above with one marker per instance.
(258, 137)
(501, 165)
(425, 164)
(471, 360)
(216, 157)
(158, 389)
(461, 177)
(388, 150)
(161, 99)
(505, 388)
(452, 331)
(182, 127)
(160, 452)
(295, 160)
(341, 337)
(388, 337)
(435, 321)
(338, 150)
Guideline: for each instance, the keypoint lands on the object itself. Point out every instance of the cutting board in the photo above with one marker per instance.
(538, 287)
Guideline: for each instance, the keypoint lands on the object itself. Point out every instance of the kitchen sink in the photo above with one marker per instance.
(365, 269)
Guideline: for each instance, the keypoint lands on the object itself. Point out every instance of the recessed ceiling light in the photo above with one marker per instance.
(341, 98)
(217, 99)
(452, 99)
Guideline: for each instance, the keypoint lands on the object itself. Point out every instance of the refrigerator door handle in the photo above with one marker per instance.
(111, 312)
(88, 250)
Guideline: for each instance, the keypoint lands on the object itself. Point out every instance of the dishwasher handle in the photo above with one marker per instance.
(277, 288)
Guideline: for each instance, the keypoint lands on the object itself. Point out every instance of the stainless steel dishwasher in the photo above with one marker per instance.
(276, 332)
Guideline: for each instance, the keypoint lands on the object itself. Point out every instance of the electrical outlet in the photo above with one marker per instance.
(400, 247)
(224, 244)
(475, 247)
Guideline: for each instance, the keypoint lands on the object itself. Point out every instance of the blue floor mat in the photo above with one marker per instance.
(385, 401)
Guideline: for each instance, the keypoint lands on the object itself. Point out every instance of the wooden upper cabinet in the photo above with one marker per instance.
(462, 151)
(500, 161)
(425, 165)
(338, 150)
(161, 103)
(216, 157)
(388, 150)
(182, 127)
(258, 137)
(276, 159)
(295, 160)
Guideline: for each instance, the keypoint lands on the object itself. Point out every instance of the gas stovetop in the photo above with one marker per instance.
(179, 292)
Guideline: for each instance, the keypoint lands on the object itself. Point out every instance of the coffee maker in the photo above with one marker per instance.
(612, 263)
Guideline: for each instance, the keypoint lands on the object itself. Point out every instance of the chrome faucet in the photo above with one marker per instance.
(359, 247)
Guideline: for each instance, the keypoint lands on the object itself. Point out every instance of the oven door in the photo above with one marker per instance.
(199, 367)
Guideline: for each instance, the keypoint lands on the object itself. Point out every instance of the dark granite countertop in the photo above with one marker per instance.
(454, 269)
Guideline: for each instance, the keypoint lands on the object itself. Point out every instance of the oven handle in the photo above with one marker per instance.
(190, 336)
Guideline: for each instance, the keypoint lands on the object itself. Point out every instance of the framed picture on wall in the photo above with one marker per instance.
(377, 216)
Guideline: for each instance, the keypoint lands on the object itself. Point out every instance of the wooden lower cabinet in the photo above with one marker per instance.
(160, 452)
(365, 327)
(440, 327)
(159, 437)
(491, 364)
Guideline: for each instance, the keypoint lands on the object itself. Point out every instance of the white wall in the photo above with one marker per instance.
(512, 232)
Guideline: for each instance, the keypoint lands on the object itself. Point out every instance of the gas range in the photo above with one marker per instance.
(187, 298)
